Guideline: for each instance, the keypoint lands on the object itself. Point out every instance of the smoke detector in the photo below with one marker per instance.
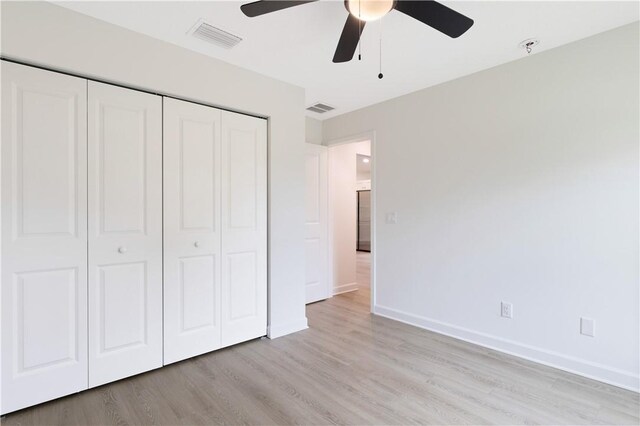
(529, 44)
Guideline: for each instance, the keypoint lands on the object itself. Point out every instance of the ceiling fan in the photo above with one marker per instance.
(430, 12)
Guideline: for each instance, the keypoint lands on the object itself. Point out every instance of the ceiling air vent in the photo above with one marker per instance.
(320, 108)
(214, 35)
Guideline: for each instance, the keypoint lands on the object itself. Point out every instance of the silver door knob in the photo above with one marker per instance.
(122, 249)
(196, 244)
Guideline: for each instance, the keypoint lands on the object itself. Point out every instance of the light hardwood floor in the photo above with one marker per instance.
(349, 367)
(363, 269)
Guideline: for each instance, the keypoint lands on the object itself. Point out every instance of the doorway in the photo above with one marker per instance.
(350, 217)
(363, 202)
(363, 221)
(340, 220)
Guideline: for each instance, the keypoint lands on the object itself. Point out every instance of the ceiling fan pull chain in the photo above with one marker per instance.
(380, 75)
(359, 41)
(359, 32)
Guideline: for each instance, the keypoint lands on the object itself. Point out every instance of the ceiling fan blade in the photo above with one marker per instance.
(348, 39)
(436, 15)
(261, 7)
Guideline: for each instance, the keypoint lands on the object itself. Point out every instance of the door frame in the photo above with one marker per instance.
(359, 137)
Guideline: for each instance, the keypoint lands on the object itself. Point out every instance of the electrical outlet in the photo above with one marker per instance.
(588, 327)
(506, 309)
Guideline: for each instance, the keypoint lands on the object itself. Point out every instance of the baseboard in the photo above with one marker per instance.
(591, 370)
(345, 288)
(279, 330)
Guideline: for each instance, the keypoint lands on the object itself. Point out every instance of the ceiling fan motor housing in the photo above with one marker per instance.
(429, 12)
(369, 10)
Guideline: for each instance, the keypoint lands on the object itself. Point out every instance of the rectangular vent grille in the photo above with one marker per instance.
(214, 35)
(320, 108)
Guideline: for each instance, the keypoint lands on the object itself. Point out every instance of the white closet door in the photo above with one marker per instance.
(125, 232)
(191, 230)
(244, 228)
(44, 236)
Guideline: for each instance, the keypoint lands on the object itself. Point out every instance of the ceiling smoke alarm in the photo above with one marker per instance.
(529, 44)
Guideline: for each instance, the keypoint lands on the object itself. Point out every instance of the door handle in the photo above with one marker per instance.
(196, 244)
(122, 249)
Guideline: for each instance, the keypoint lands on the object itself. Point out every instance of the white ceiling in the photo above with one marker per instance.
(296, 45)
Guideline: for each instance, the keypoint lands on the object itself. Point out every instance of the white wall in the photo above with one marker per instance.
(518, 183)
(313, 131)
(45, 34)
(363, 170)
(343, 213)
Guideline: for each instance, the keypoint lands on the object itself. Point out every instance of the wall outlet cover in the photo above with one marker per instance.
(587, 327)
(392, 218)
(506, 310)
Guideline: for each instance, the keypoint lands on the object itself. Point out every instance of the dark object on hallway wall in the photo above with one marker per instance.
(364, 221)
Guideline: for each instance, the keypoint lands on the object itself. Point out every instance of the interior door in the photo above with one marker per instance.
(191, 229)
(44, 236)
(244, 228)
(317, 286)
(125, 232)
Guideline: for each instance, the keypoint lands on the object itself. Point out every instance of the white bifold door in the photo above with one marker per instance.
(102, 278)
(214, 229)
(125, 232)
(44, 236)
(191, 229)
(244, 228)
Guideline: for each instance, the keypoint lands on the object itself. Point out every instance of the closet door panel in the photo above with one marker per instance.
(44, 238)
(243, 288)
(122, 296)
(191, 230)
(121, 169)
(125, 233)
(244, 232)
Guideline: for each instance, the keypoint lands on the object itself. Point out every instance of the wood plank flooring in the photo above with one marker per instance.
(349, 367)
(363, 269)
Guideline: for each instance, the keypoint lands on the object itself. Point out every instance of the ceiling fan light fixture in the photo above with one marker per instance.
(429, 12)
(369, 10)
